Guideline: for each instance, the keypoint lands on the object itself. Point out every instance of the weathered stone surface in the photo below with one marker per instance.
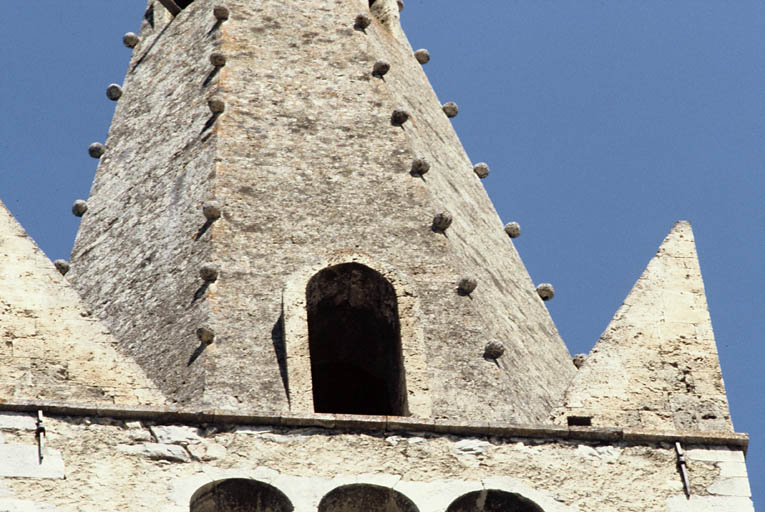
(655, 366)
(738, 486)
(732, 469)
(715, 455)
(22, 461)
(157, 451)
(471, 446)
(17, 421)
(709, 504)
(14, 505)
(176, 434)
(50, 349)
(287, 203)
(431, 470)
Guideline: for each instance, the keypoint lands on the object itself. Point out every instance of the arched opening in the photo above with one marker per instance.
(365, 498)
(493, 500)
(239, 495)
(354, 342)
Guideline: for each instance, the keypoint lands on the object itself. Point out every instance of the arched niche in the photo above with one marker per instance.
(239, 495)
(493, 500)
(355, 342)
(365, 498)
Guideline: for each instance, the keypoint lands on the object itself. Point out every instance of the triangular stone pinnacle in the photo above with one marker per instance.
(309, 155)
(655, 367)
(50, 347)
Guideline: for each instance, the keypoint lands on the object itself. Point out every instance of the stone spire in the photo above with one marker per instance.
(50, 347)
(655, 367)
(314, 159)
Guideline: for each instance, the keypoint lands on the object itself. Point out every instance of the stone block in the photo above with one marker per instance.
(156, 451)
(732, 469)
(715, 455)
(173, 434)
(13, 505)
(22, 461)
(17, 421)
(709, 504)
(731, 487)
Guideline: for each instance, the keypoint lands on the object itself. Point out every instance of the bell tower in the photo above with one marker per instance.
(281, 178)
(297, 296)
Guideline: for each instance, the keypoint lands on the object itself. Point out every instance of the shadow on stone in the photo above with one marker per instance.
(197, 352)
(210, 122)
(212, 74)
(215, 27)
(203, 229)
(280, 349)
(200, 292)
(151, 47)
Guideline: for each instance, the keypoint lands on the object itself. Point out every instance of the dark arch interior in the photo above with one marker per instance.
(239, 495)
(365, 498)
(354, 341)
(493, 500)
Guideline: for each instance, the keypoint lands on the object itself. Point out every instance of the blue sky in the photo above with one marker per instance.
(603, 124)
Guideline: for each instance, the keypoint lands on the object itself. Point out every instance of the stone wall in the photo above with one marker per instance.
(114, 465)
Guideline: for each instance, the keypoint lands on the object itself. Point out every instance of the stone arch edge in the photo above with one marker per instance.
(305, 493)
(294, 310)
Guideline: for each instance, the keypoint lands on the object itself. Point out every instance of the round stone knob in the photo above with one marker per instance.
(546, 291)
(422, 55)
(481, 170)
(579, 360)
(130, 40)
(62, 266)
(217, 105)
(494, 350)
(221, 12)
(205, 335)
(362, 21)
(96, 150)
(467, 285)
(380, 69)
(442, 221)
(217, 59)
(513, 229)
(209, 272)
(114, 92)
(450, 109)
(399, 117)
(420, 166)
(79, 208)
(211, 210)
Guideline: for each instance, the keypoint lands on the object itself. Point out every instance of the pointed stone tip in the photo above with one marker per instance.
(655, 366)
